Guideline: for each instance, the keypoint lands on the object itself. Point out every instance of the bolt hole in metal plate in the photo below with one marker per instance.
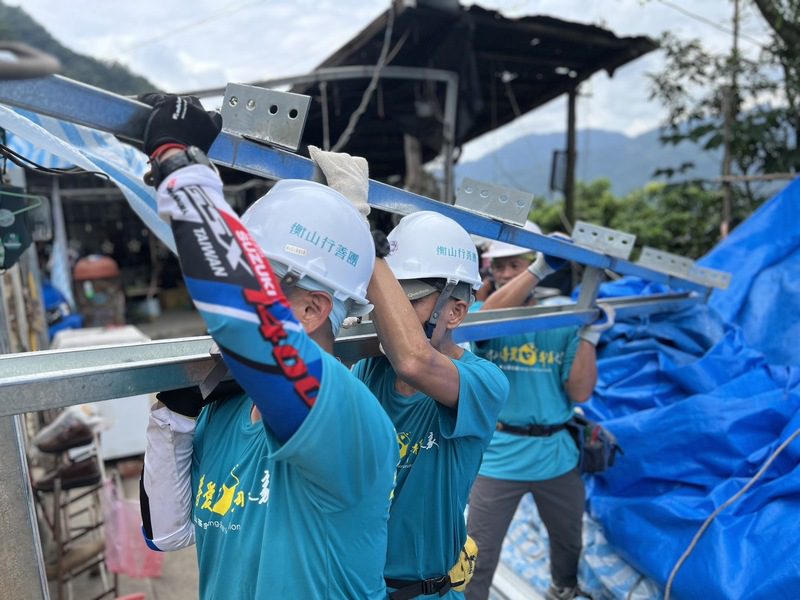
(264, 115)
(683, 267)
(603, 239)
(710, 277)
(505, 204)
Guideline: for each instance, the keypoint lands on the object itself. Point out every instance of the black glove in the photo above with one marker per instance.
(381, 243)
(189, 401)
(179, 120)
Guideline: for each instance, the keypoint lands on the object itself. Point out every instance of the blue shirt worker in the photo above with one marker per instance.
(443, 401)
(531, 451)
(285, 486)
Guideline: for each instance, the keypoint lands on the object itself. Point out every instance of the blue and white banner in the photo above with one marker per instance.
(56, 144)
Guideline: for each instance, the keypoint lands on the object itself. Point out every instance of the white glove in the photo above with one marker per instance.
(591, 333)
(348, 175)
(545, 265)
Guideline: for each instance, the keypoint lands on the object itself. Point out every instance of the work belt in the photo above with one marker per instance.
(404, 590)
(530, 430)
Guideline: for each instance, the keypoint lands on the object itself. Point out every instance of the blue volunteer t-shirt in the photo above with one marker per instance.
(304, 520)
(537, 366)
(440, 453)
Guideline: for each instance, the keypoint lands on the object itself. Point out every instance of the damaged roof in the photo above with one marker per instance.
(506, 67)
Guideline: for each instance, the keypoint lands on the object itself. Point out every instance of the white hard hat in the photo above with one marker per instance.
(503, 249)
(427, 245)
(314, 231)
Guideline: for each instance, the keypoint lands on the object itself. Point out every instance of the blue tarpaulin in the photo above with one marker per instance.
(764, 297)
(699, 400)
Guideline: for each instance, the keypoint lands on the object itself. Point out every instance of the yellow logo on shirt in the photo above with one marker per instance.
(227, 498)
(426, 442)
(526, 355)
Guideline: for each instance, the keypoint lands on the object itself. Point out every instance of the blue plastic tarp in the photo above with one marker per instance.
(764, 296)
(699, 400)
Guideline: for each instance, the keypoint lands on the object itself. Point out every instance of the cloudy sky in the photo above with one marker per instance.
(218, 41)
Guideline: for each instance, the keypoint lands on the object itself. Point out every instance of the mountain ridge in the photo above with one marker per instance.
(17, 25)
(629, 162)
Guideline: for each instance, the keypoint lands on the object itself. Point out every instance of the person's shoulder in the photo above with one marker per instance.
(224, 411)
(473, 360)
(368, 369)
(482, 368)
(351, 394)
(340, 380)
(484, 390)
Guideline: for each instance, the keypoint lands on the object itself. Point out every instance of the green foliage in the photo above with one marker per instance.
(697, 86)
(679, 218)
(16, 25)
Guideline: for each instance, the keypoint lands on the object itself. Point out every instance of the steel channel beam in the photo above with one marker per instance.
(79, 103)
(56, 378)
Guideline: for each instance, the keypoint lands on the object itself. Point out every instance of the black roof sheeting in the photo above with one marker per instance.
(539, 58)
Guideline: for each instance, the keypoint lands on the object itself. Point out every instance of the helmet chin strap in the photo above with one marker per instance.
(289, 281)
(444, 296)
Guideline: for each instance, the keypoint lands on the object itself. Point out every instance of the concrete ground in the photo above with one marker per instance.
(178, 580)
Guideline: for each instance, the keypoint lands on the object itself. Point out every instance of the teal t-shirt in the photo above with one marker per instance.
(440, 453)
(304, 520)
(537, 366)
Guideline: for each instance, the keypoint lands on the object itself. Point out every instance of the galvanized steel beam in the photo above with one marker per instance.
(79, 103)
(57, 378)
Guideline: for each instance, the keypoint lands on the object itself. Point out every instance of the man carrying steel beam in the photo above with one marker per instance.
(443, 400)
(532, 451)
(285, 488)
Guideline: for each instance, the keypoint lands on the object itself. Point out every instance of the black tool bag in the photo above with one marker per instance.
(597, 446)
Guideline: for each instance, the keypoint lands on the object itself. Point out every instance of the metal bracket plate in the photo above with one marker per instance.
(710, 277)
(265, 115)
(665, 262)
(504, 204)
(683, 267)
(603, 239)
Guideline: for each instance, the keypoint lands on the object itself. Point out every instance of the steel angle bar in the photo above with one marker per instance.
(56, 378)
(68, 100)
(35, 381)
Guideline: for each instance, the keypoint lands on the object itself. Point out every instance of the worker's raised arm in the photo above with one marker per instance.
(412, 355)
(227, 274)
(583, 374)
(517, 291)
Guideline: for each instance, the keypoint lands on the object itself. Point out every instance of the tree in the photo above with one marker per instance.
(679, 218)
(695, 85)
